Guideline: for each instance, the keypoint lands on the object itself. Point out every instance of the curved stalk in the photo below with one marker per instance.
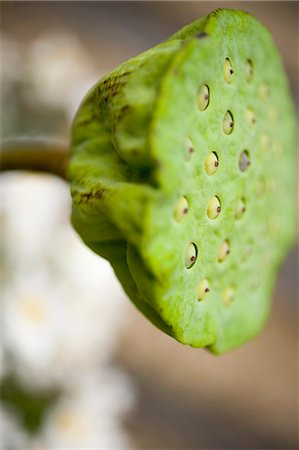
(34, 154)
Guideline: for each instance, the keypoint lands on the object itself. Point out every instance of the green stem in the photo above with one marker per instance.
(34, 154)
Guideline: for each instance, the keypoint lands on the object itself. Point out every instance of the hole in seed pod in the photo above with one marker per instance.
(203, 289)
(240, 208)
(189, 148)
(214, 207)
(249, 70)
(190, 255)
(246, 251)
(228, 123)
(228, 71)
(228, 295)
(260, 187)
(264, 91)
(244, 160)
(273, 114)
(181, 209)
(265, 142)
(203, 97)
(211, 163)
(223, 251)
(250, 116)
(273, 188)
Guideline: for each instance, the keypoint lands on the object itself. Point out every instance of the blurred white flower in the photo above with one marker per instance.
(64, 305)
(61, 70)
(31, 323)
(88, 414)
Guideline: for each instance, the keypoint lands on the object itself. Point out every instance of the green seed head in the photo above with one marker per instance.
(181, 178)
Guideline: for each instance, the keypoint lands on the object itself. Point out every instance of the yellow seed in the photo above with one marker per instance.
(250, 116)
(264, 91)
(247, 251)
(203, 97)
(228, 123)
(190, 255)
(211, 163)
(223, 251)
(278, 149)
(249, 70)
(273, 186)
(214, 207)
(265, 141)
(228, 71)
(203, 289)
(240, 208)
(261, 187)
(228, 295)
(273, 114)
(181, 209)
(189, 147)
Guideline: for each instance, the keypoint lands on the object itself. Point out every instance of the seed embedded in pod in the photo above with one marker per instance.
(240, 208)
(244, 160)
(190, 255)
(228, 295)
(273, 114)
(181, 209)
(228, 123)
(250, 116)
(264, 91)
(214, 207)
(223, 251)
(265, 141)
(261, 187)
(189, 147)
(211, 163)
(203, 289)
(249, 70)
(228, 71)
(203, 97)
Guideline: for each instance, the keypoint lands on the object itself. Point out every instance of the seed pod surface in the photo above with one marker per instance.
(163, 187)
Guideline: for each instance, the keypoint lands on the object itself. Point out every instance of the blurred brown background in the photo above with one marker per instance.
(186, 398)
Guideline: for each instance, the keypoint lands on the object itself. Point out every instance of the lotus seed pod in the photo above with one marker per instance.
(151, 196)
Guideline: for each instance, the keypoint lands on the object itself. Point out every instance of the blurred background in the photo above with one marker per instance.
(79, 366)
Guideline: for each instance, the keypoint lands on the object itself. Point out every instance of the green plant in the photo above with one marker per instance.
(182, 176)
